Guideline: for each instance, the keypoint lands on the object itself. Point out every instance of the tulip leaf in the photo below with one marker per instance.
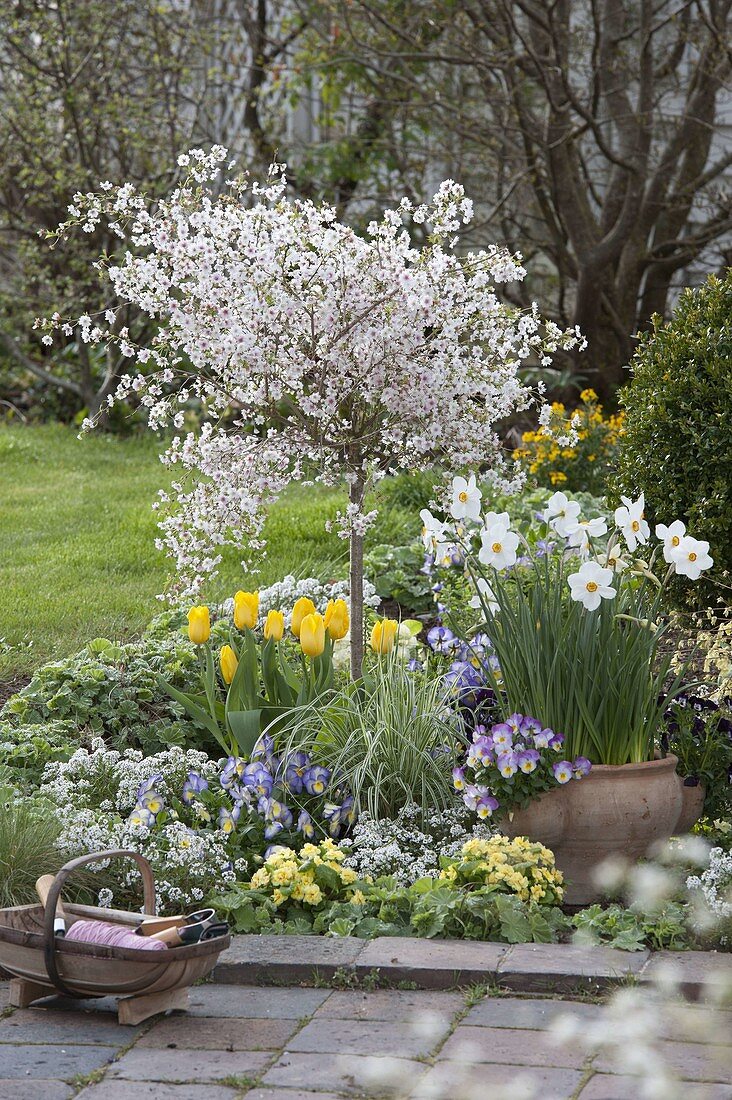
(245, 726)
(197, 712)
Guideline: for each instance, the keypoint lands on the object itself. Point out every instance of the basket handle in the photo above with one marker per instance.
(49, 938)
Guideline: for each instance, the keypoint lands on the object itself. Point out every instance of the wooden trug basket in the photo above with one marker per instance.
(147, 982)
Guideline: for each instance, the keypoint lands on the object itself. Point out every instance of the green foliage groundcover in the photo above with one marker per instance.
(677, 441)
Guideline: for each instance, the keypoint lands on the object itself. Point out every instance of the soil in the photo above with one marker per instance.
(11, 687)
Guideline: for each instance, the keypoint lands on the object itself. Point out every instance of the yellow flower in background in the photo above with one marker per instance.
(336, 619)
(246, 610)
(199, 625)
(312, 634)
(228, 662)
(302, 607)
(274, 626)
(384, 635)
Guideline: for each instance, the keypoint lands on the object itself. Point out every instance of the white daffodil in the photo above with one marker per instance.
(630, 520)
(591, 585)
(611, 559)
(433, 530)
(498, 546)
(560, 513)
(466, 498)
(581, 531)
(691, 557)
(490, 519)
(484, 597)
(671, 537)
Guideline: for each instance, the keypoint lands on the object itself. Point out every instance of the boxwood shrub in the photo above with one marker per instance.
(677, 442)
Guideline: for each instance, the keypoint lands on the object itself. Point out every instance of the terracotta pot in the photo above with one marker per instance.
(692, 804)
(615, 810)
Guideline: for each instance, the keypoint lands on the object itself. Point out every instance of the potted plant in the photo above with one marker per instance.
(575, 623)
(698, 732)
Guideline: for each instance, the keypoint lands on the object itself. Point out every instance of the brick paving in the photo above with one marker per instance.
(254, 1043)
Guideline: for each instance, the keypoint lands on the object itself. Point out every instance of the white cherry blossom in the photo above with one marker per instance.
(307, 345)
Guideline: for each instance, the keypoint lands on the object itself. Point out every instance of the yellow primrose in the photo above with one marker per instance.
(246, 610)
(274, 626)
(302, 607)
(199, 625)
(229, 663)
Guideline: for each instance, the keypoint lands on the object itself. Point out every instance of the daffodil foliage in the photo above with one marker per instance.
(321, 349)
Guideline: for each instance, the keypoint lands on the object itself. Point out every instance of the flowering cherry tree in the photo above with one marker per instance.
(310, 347)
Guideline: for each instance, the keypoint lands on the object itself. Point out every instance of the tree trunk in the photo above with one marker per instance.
(355, 496)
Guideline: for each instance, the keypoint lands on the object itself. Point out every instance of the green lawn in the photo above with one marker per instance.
(77, 554)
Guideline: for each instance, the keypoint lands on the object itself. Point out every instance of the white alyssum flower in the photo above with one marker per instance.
(630, 520)
(691, 557)
(671, 537)
(498, 545)
(561, 513)
(591, 585)
(466, 497)
(410, 848)
(711, 891)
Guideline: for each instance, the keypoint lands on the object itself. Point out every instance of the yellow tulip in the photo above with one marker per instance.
(312, 635)
(246, 610)
(229, 663)
(336, 619)
(199, 625)
(302, 607)
(383, 636)
(274, 626)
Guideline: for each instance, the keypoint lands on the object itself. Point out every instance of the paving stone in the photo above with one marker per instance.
(507, 1046)
(548, 967)
(212, 1034)
(351, 1073)
(700, 974)
(691, 1061)
(456, 1079)
(603, 1086)
(35, 1090)
(375, 1037)
(189, 1065)
(390, 1004)
(289, 958)
(432, 964)
(250, 1002)
(50, 1062)
(43, 1025)
(288, 1094)
(519, 1012)
(695, 1023)
(153, 1090)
